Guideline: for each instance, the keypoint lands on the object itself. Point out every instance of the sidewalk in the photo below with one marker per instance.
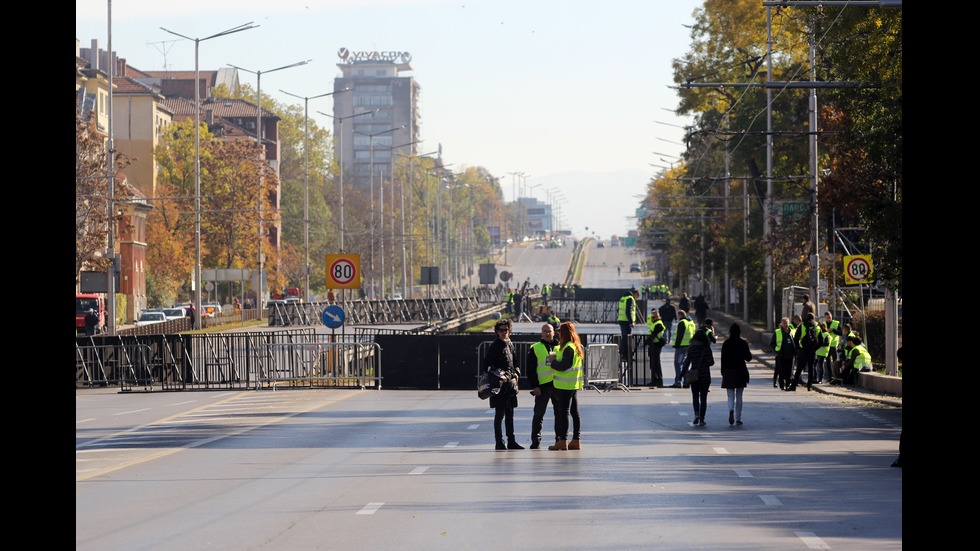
(767, 359)
(758, 343)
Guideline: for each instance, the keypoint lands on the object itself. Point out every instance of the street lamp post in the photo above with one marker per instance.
(306, 193)
(197, 154)
(340, 164)
(258, 139)
(371, 138)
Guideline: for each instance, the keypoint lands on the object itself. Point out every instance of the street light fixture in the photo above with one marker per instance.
(371, 138)
(306, 193)
(197, 153)
(258, 139)
(340, 164)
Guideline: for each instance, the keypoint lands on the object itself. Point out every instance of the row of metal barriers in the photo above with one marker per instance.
(297, 358)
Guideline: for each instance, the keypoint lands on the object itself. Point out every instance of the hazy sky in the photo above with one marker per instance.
(576, 95)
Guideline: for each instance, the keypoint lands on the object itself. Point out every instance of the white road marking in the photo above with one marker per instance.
(451, 445)
(770, 500)
(721, 451)
(743, 473)
(370, 508)
(472, 427)
(419, 470)
(811, 540)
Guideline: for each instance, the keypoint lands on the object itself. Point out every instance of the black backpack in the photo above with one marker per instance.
(809, 340)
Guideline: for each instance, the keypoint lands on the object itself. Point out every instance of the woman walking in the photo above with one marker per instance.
(697, 372)
(500, 364)
(734, 373)
(567, 364)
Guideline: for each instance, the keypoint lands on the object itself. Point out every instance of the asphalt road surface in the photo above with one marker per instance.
(348, 469)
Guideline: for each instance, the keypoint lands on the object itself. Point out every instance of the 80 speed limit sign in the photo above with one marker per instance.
(857, 269)
(343, 271)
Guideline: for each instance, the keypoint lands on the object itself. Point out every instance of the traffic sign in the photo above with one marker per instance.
(343, 271)
(333, 316)
(857, 269)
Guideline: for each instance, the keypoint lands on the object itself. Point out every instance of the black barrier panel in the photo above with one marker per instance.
(429, 362)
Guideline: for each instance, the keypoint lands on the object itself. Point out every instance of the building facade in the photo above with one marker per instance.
(378, 117)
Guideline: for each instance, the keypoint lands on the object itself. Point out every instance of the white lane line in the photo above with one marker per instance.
(419, 470)
(743, 473)
(721, 451)
(451, 444)
(472, 427)
(130, 412)
(811, 540)
(85, 420)
(674, 402)
(770, 500)
(370, 508)
(682, 413)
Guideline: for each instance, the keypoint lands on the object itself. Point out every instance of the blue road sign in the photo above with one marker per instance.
(333, 316)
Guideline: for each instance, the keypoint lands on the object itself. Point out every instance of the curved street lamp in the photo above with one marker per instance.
(197, 154)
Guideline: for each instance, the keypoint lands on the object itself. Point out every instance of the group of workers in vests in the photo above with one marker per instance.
(827, 350)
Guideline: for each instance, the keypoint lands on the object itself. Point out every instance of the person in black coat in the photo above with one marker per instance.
(500, 363)
(699, 358)
(734, 373)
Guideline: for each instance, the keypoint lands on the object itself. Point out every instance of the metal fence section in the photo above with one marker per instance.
(113, 363)
(590, 311)
(176, 361)
(425, 310)
(603, 368)
(320, 362)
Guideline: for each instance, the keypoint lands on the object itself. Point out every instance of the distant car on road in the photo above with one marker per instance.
(149, 318)
(599, 245)
(634, 267)
(539, 245)
(174, 313)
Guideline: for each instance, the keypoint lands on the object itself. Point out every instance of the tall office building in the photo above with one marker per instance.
(381, 110)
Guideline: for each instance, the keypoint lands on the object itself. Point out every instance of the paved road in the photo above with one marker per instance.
(324, 469)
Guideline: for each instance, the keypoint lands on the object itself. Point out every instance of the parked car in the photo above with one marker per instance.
(174, 313)
(149, 318)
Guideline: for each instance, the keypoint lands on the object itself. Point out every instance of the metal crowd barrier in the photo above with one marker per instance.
(320, 362)
(119, 363)
(602, 368)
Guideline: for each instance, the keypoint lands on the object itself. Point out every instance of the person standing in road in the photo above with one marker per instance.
(734, 371)
(628, 316)
(783, 344)
(807, 342)
(656, 341)
(567, 363)
(500, 363)
(685, 330)
(540, 376)
(821, 369)
(700, 359)
(668, 315)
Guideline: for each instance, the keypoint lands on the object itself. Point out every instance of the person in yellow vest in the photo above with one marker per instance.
(656, 339)
(857, 359)
(784, 346)
(627, 318)
(682, 339)
(539, 377)
(568, 365)
(822, 367)
(834, 332)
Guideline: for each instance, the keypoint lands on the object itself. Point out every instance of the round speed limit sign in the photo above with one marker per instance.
(343, 271)
(857, 269)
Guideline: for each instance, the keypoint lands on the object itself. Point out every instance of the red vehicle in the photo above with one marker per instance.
(287, 293)
(82, 305)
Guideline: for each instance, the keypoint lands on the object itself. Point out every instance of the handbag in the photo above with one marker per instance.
(487, 386)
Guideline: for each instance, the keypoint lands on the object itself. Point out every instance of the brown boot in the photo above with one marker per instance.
(559, 445)
(573, 444)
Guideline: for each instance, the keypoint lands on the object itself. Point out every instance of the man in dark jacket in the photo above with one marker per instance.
(540, 376)
(668, 315)
(807, 342)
